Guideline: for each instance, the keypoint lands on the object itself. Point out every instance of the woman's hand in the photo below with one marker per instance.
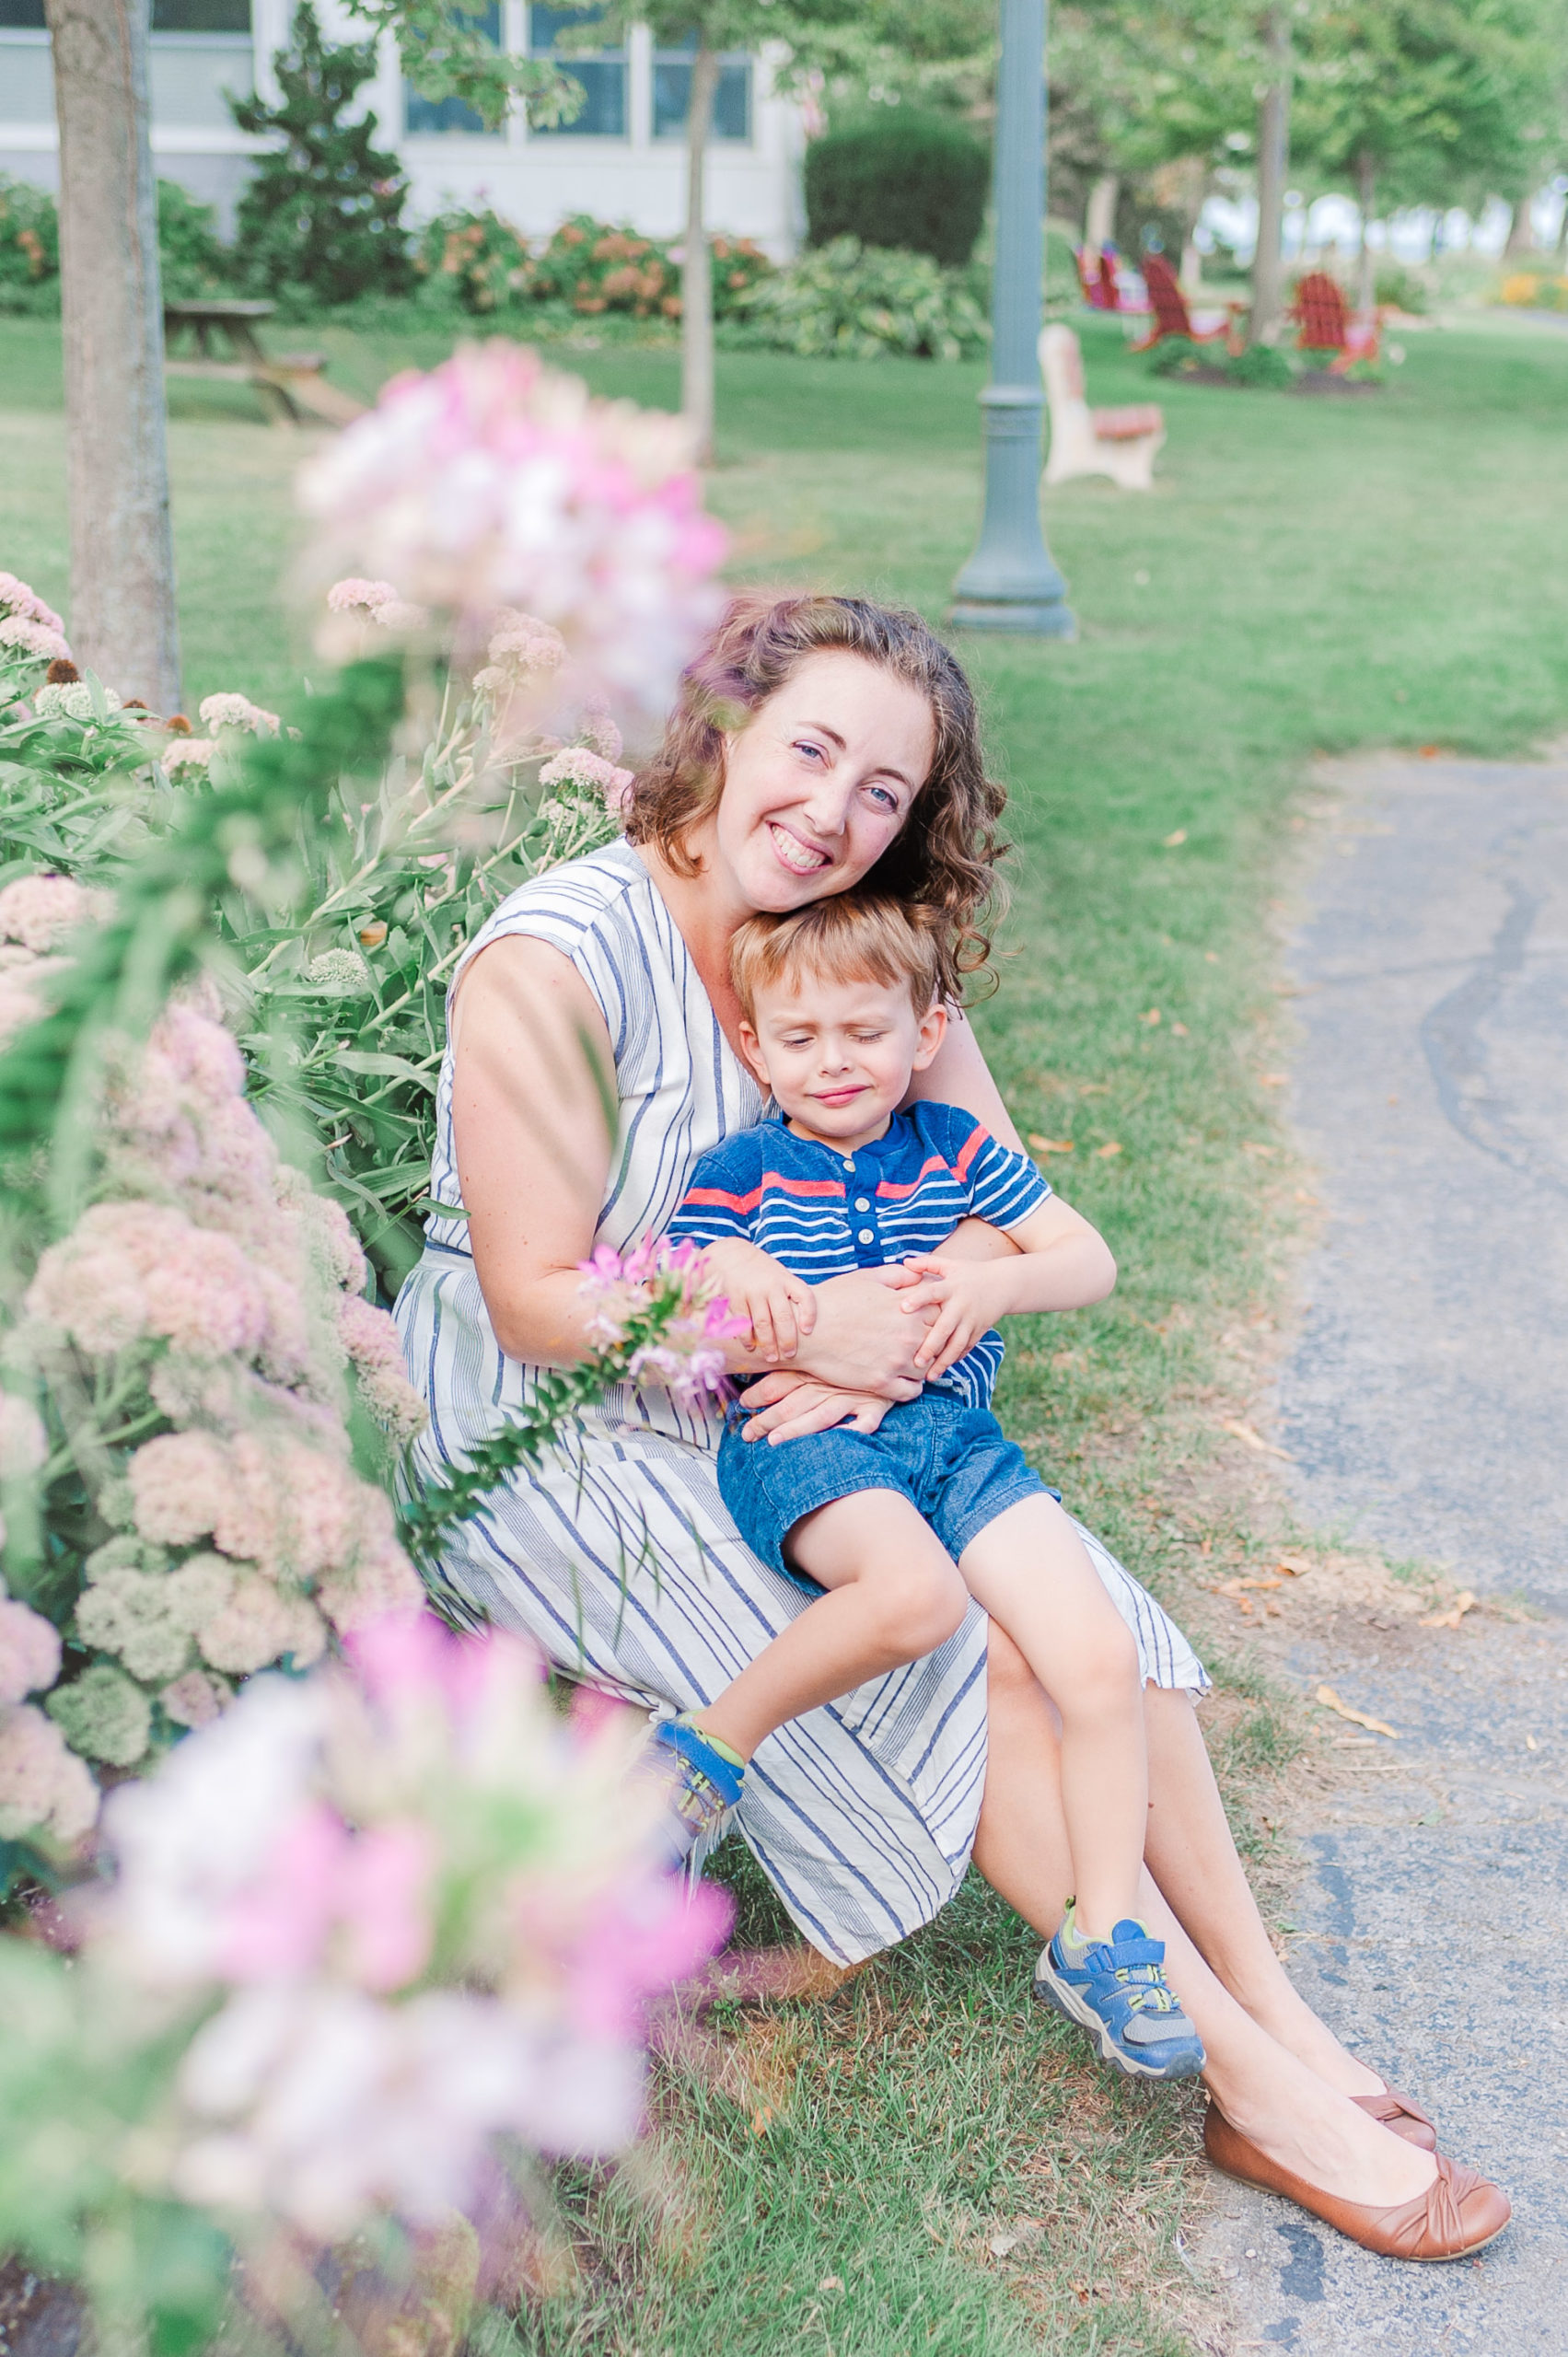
(780, 1308)
(861, 1341)
(788, 1404)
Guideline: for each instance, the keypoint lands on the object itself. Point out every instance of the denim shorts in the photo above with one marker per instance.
(953, 1463)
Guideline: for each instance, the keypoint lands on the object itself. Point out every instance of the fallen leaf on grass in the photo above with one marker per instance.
(1173, 842)
(761, 2119)
(1153, 1015)
(1243, 1432)
(1049, 1145)
(1234, 1586)
(1331, 1702)
(1180, 1029)
(1103, 1152)
(832, 2283)
(1464, 1602)
(1000, 2245)
(1274, 1080)
(1295, 1567)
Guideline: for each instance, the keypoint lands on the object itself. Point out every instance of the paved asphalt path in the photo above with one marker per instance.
(1426, 1410)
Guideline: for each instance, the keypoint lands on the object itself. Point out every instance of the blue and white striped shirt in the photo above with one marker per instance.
(824, 1213)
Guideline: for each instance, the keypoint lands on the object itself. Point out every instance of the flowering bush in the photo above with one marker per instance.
(586, 269)
(372, 1936)
(367, 1922)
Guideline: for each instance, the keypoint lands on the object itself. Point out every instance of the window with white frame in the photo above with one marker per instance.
(199, 52)
(421, 115)
(672, 93)
(602, 72)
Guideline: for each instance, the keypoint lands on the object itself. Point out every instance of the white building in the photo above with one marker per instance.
(622, 160)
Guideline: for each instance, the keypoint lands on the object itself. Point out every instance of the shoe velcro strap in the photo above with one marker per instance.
(1126, 1954)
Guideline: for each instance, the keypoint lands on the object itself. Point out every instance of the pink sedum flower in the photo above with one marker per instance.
(16, 597)
(493, 483)
(40, 911)
(591, 772)
(44, 1788)
(30, 1651)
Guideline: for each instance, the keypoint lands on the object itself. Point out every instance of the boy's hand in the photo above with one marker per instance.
(782, 1308)
(790, 1405)
(967, 1298)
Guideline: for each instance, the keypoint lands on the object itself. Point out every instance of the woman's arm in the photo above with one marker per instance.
(533, 1085)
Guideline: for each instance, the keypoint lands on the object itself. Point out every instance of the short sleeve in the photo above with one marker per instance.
(722, 1198)
(1003, 1186)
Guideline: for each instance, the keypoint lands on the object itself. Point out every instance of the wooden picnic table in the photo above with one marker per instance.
(291, 384)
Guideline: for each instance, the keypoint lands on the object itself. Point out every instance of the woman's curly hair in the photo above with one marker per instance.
(944, 859)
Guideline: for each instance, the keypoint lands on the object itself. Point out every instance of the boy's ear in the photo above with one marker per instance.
(751, 1049)
(933, 1031)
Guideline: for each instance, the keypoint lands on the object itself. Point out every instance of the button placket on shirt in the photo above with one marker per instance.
(864, 1238)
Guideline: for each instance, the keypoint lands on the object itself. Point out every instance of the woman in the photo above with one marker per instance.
(819, 743)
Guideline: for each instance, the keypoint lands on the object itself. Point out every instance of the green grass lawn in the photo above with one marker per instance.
(919, 2163)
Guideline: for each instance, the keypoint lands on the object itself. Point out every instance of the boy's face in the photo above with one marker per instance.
(838, 1056)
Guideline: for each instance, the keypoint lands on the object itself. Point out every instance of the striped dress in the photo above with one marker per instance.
(618, 1557)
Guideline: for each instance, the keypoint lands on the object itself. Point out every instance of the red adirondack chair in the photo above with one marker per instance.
(1097, 276)
(1172, 316)
(1323, 324)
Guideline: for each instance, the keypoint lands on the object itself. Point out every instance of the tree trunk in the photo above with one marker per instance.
(1366, 275)
(696, 271)
(1273, 167)
(1100, 220)
(123, 614)
(1521, 230)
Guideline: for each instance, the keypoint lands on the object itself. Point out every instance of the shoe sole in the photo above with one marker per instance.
(1067, 2003)
(1412, 2259)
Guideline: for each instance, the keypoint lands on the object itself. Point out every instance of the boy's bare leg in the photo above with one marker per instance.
(894, 1593)
(1032, 1571)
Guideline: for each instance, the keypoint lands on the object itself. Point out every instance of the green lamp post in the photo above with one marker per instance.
(1010, 582)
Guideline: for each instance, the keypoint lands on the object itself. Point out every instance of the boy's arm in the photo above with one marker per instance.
(1060, 1262)
(780, 1306)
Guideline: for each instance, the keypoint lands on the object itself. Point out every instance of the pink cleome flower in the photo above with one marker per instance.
(495, 483)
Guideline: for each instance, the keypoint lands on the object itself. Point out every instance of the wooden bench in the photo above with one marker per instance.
(291, 384)
(1121, 443)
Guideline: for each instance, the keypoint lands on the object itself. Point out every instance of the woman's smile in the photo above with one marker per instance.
(802, 858)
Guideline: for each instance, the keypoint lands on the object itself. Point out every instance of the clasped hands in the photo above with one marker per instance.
(855, 1353)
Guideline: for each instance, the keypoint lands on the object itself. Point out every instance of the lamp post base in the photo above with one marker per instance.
(1026, 617)
(1010, 582)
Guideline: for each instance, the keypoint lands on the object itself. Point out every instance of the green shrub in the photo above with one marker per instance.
(1263, 365)
(29, 246)
(1400, 289)
(322, 218)
(192, 258)
(854, 302)
(897, 178)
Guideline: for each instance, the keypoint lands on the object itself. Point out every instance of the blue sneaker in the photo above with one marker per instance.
(1117, 1991)
(700, 1783)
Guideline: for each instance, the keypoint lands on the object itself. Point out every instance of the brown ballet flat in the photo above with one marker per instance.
(1401, 2116)
(1461, 2212)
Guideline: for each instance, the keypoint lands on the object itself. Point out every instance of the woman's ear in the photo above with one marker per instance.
(933, 1031)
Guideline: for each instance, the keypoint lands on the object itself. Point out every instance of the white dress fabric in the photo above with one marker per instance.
(619, 1557)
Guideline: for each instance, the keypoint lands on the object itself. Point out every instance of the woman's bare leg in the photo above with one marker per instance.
(1193, 1859)
(1262, 2085)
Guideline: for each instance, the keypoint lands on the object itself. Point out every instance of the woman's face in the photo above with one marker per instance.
(818, 783)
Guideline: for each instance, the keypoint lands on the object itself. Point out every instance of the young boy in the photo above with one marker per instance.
(893, 1520)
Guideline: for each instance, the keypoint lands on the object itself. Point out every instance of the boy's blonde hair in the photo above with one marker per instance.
(852, 937)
